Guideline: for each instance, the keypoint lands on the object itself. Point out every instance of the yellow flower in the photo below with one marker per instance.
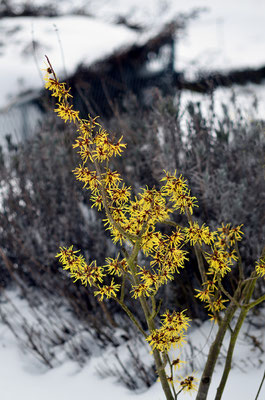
(117, 148)
(111, 178)
(211, 285)
(203, 295)
(88, 274)
(236, 233)
(108, 290)
(85, 154)
(164, 276)
(143, 289)
(177, 363)
(116, 267)
(66, 254)
(101, 153)
(173, 184)
(82, 173)
(196, 234)
(82, 141)
(97, 201)
(178, 191)
(150, 240)
(117, 236)
(105, 148)
(189, 383)
(56, 87)
(260, 267)
(218, 261)
(217, 305)
(213, 318)
(176, 238)
(231, 234)
(120, 195)
(89, 178)
(149, 278)
(66, 113)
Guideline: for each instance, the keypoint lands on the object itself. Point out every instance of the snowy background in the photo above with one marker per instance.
(22, 376)
(226, 35)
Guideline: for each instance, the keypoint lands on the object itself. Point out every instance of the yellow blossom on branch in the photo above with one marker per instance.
(108, 290)
(217, 305)
(203, 295)
(231, 235)
(78, 268)
(196, 234)
(135, 222)
(260, 267)
(188, 384)
(97, 201)
(177, 363)
(116, 266)
(66, 113)
(143, 289)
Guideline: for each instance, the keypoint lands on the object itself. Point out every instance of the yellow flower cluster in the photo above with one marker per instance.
(108, 290)
(219, 260)
(66, 112)
(134, 220)
(196, 234)
(79, 270)
(58, 89)
(178, 192)
(230, 235)
(126, 216)
(217, 305)
(94, 145)
(223, 254)
(171, 332)
(91, 274)
(148, 208)
(115, 266)
(167, 257)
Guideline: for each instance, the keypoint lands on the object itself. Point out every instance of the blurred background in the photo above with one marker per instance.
(183, 82)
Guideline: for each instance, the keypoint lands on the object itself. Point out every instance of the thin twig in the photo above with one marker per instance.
(61, 49)
(260, 386)
(227, 294)
(240, 265)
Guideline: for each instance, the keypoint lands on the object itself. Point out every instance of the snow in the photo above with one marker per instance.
(67, 40)
(250, 100)
(228, 34)
(24, 377)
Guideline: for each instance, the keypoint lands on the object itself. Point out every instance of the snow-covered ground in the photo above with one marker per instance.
(230, 34)
(22, 376)
(248, 99)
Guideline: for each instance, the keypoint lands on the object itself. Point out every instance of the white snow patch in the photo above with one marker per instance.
(68, 41)
(22, 376)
